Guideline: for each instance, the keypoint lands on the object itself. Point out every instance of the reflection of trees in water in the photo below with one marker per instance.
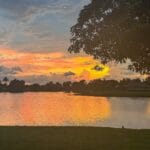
(115, 30)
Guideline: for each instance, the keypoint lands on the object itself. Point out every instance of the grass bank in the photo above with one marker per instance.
(116, 93)
(73, 138)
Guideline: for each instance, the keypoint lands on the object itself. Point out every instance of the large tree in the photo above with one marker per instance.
(115, 30)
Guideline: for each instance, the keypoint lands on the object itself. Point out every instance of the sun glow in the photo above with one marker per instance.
(53, 63)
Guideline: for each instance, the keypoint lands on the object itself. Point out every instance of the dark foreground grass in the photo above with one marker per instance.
(73, 138)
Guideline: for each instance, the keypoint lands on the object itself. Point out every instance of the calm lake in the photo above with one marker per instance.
(61, 109)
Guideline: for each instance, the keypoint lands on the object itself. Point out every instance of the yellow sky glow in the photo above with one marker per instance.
(55, 62)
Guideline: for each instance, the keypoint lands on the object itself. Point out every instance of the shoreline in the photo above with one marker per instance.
(97, 94)
(116, 94)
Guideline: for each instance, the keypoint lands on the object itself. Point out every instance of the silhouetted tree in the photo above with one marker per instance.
(67, 86)
(1, 86)
(58, 87)
(49, 86)
(147, 80)
(5, 80)
(115, 30)
(16, 85)
(79, 86)
(34, 87)
(93, 87)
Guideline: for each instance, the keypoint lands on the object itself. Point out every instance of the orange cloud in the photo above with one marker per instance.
(54, 62)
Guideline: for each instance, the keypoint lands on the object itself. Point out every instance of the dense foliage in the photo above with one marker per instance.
(115, 30)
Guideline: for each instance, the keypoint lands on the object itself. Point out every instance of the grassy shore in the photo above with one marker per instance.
(73, 138)
(116, 93)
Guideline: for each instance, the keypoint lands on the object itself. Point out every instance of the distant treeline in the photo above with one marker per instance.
(82, 87)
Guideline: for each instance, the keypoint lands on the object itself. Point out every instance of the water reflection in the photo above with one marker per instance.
(52, 109)
(63, 109)
(148, 109)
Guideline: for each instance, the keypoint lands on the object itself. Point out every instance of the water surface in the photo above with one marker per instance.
(62, 109)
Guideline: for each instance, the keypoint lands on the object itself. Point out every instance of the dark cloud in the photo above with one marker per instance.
(98, 68)
(9, 71)
(69, 73)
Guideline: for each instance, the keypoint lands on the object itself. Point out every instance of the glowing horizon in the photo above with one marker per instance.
(53, 63)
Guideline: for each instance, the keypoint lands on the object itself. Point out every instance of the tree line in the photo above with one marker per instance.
(77, 86)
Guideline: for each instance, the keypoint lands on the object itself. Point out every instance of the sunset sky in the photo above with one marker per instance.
(34, 38)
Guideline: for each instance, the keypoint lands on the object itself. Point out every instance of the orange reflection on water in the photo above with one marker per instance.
(91, 110)
(58, 109)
